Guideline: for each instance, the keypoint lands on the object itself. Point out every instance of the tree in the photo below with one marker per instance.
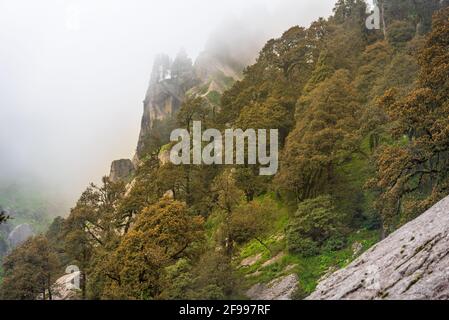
(92, 226)
(412, 174)
(417, 12)
(193, 108)
(3, 216)
(252, 221)
(324, 137)
(227, 198)
(315, 221)
(30, 270)
(162, 234)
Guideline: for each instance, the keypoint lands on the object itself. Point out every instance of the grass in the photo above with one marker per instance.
(309, 269)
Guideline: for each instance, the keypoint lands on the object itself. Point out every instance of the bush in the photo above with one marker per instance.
(251, 220)
(315, 221)
(400, 32)
(303, 247)
(335, 243)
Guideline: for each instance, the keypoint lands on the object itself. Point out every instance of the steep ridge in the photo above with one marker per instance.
(170, 82)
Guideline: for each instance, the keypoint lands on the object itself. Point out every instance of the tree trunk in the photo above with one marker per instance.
(382, 16)
(83, 285)
(50, 295)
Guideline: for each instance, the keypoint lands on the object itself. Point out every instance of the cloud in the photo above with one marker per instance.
(73, 73)
(72, 21)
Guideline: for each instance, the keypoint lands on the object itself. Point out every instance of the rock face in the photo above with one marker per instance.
(64, 288)
(169, 83)
(412, 264)
(121, 169)
(19, 235)
(279, 289)
(248, 262)
(172, 80)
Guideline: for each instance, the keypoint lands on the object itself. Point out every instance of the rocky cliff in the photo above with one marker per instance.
(169, 83)
(121, 170)
(412, 263)
(172, 80)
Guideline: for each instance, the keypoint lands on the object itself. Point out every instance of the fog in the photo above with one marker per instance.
(73, 74)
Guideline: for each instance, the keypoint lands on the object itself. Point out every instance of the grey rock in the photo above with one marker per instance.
(164, 157)
(121, 170)
(248, 262)
(19, 235)
(169, 83)
(273, 260)
(279, 289)
(64, 288)
(410, 264)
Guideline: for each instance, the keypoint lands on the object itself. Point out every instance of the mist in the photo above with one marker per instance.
(73, 74)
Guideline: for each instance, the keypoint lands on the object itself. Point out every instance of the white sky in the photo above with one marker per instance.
(73, 74)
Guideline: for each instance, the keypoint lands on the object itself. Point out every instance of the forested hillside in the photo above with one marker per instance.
(364, 137)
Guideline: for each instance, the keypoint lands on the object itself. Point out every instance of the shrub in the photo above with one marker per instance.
(400, 32)
(335, 243)
(315, 221)
(305, 247)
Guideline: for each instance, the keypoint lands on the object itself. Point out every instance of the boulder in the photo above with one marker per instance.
(410, 264)
(278, 289)
(65, 289)
(248, 262)
(121, 170)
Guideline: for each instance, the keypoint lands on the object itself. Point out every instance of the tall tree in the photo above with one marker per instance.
(412, 174)
(30, 271)
(324, 137)
(162, 234)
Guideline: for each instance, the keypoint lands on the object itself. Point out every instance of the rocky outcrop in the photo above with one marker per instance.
(65, 287)
(169, 83)
(279, 289)
(248, 262)
(412, 263)
(19, 235)
(121, 170)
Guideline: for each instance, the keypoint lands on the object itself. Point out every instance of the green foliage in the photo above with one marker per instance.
(30, 271)
(412, 176)
(400, 32)
(315, 222)
(354, 108)
(324, 137)
(162, 234)
(251, 221)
